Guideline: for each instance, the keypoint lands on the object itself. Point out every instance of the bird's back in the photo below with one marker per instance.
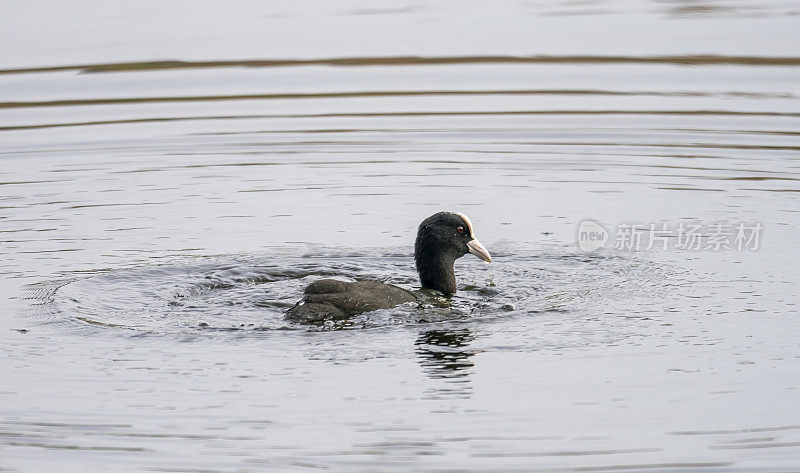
(334, 299)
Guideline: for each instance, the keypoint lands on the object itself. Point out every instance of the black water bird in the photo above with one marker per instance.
(442, 238)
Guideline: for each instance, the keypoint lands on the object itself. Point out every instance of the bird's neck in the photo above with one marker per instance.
(436, 271)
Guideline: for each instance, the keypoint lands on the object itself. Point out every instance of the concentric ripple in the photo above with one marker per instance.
(251, 292)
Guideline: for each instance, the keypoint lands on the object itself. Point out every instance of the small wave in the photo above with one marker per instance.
(686, 59)
(251, 293)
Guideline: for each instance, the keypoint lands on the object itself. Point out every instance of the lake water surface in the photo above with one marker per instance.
(173, 175)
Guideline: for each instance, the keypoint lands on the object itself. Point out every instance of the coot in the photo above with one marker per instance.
(442, 238)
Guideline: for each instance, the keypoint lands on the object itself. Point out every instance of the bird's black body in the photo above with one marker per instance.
(441, 239)
(334, 299)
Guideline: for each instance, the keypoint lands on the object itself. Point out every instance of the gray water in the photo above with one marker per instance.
(174, 175)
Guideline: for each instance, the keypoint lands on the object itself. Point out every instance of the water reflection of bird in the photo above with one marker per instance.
(443, 353)
(442, 238)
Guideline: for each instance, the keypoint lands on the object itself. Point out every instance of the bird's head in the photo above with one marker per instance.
(450, 233)
(441, 239)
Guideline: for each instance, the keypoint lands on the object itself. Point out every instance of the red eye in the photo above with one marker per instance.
(460, 229)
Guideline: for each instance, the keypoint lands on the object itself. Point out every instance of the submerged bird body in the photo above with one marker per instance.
(334, 299)
(441, 239)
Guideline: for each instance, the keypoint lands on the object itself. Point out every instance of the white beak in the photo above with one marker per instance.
(478, 250)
